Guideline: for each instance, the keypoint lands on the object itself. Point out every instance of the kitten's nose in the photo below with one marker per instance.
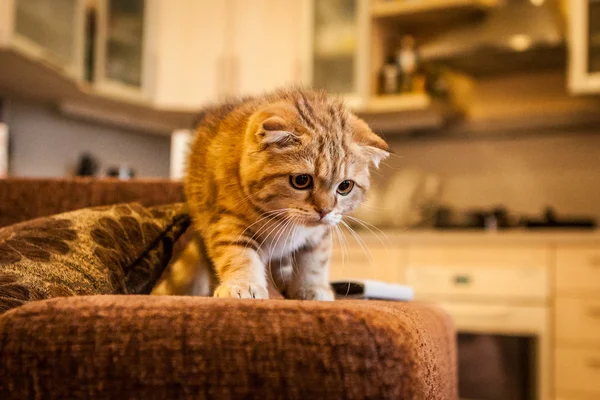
(323, 212)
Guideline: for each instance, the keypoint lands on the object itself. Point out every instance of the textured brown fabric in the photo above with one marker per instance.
(116, 249)
(142, 347)
(22, 199)
(162, 347)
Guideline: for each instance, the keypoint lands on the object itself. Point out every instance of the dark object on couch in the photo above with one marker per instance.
(163, 347)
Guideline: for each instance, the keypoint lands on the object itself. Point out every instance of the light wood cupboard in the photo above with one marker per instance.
(577, 270)
(577, 372)
(577, 321)
(546, 285)
(211, 50)
(266, 50)
(458, 271)
(125, 48)
(191, 60)
(49, 32)
(372, 262)
(584, 46)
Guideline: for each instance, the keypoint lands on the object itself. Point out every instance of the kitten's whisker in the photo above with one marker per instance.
(294, 262)
(288, 220)
(258, 239)
(366, 225)
(291, 237)
(392, 167)
(362, 244)
(282, 230)
(291, 234)
(343, 246)
(275, 228)
(242, 200)
(270, 275)
(344, 242)
(370, 207)
(268, 214)
(273, 214)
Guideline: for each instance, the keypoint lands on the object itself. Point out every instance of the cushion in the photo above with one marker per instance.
(119, 249)
(169, 347)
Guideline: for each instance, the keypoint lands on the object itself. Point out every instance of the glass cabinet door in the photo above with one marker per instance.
(593, 66)
(337, 26)
(52, 29)
(123, 61)
(584, 46)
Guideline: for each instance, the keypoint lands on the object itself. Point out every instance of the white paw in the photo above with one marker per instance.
(319, 293)
(241, 290)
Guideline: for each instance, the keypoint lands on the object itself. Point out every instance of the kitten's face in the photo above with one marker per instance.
(308, 160)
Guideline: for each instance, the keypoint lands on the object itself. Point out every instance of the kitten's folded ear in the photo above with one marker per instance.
(273, 128)
(372, 145)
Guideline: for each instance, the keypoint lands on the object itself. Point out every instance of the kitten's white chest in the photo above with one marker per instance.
(286, 241)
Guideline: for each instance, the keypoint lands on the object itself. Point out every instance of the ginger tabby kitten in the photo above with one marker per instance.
(267, 179)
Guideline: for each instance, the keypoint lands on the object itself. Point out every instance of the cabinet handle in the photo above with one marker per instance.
(593, 363)
(461, 279)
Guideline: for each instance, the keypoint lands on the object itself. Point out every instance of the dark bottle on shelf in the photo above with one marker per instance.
(407, 63)
(389, 77)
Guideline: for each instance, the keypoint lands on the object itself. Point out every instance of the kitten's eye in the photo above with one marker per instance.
(301, 181)
(345, 187)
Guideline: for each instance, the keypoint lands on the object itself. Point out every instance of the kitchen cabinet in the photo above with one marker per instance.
(191, 53)
(584, 46)
(577, 373)
(577, 320)
(207, 50)
(266, 48)
(246, 47)
(375, 261)
(339, 48)
(125, 47)
(485, 272)
(51, 32)
(528, 285)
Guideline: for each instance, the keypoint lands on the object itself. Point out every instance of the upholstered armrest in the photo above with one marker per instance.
(162, 347)
(22, 199)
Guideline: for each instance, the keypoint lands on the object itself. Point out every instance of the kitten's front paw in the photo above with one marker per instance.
(319, 293)
(241, 290)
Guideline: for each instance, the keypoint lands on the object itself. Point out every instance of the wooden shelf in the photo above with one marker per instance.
(31, 78)
(405, 112)
(334, 55)
(398, 103)
(429, 12)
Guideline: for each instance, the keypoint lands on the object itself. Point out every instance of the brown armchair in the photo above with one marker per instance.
(167, 347)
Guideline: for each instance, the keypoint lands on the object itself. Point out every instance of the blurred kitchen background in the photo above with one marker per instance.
(489, 105)
(492, 108)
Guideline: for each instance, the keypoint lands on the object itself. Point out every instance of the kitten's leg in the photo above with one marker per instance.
(310, 280)
(189, 274)
(240, 269)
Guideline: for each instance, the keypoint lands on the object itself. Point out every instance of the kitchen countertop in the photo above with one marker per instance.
(513, 236)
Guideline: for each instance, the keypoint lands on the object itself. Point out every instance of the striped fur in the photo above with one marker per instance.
(243, 205)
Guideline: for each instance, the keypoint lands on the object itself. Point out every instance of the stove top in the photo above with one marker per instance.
(499, 218)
